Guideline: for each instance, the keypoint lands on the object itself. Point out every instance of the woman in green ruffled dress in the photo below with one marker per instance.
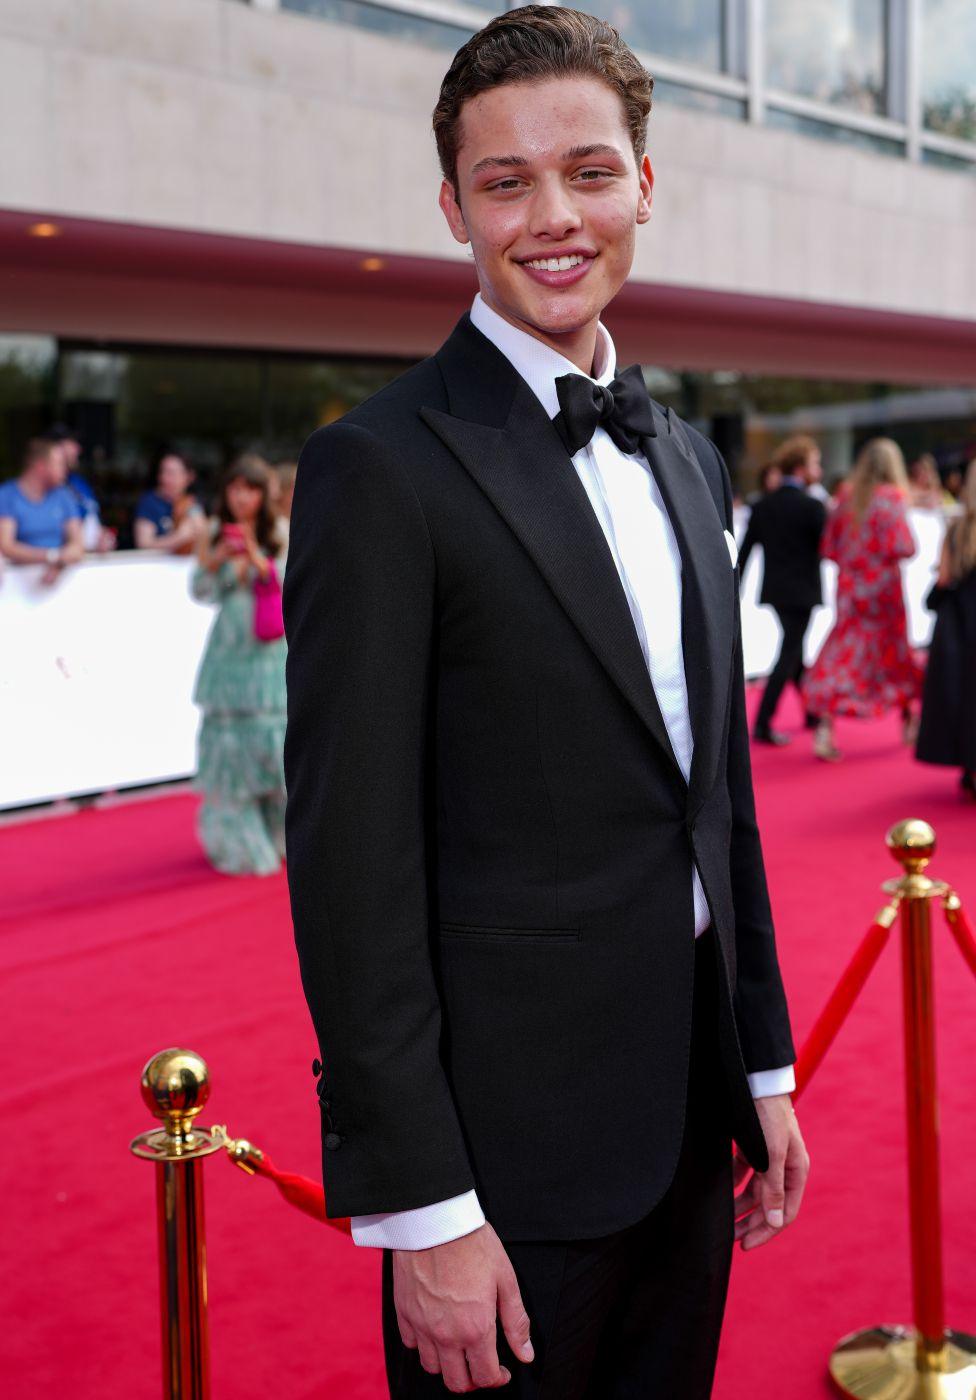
(240, 686)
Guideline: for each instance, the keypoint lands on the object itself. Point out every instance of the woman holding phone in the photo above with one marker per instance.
(240, 686)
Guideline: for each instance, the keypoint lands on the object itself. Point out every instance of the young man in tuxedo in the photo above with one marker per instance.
(787, 525)
(525, 873)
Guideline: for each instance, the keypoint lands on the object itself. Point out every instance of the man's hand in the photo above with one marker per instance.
(446, 1300)
(772, 1198)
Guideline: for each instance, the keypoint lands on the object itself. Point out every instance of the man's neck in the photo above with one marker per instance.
(577, 346)
(33, 485)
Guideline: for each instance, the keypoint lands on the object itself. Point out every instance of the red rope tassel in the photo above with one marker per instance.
(842, 998)
(961, 928)
(299, 1191)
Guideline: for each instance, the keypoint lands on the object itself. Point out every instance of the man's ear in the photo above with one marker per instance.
(451, 210)
(646, 190)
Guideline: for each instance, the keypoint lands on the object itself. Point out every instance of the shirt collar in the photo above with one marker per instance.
(538, 364)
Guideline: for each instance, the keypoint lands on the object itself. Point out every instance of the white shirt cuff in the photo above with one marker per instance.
(767, 1082)
(421, 1228)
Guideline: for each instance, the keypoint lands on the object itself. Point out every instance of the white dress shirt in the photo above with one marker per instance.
(628, 504)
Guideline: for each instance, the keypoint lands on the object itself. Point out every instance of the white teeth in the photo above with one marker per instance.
(562, 264)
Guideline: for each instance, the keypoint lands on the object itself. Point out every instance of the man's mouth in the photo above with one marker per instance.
(561, 264)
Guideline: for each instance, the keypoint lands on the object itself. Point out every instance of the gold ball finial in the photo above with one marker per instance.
(912, 843)
(175, 1086)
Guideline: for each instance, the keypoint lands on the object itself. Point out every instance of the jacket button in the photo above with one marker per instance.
(332, 1142)
(316, 1068)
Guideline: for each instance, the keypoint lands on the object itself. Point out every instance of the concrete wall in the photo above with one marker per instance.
(214, 116)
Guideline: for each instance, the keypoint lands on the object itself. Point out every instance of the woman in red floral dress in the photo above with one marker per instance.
(866, 665)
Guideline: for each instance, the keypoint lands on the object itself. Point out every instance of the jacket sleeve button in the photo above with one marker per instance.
(316, 1068)
(332, 1142)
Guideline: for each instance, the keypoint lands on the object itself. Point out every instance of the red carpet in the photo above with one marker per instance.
(117, 940)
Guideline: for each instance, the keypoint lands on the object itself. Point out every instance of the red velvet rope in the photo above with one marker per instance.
(299, 1191)
(961, 930)
(842, 998)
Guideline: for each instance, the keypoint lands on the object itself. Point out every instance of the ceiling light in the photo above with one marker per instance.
(44, 230)
(372, 264)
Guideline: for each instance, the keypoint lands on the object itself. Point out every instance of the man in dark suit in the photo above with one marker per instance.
(526, 879)
(787, 525)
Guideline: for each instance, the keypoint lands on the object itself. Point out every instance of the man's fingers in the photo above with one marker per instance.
(428, 1354)
(758, 1234)
(797, 1171)
(407, 1335)
(749, 1199)
(513, 1317)
(773, 1194)
(483, 1364)
(454, 1369)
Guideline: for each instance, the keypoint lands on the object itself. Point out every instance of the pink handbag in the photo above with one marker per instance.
(269, 624)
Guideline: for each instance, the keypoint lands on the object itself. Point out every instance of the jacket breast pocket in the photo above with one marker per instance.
(488, 934)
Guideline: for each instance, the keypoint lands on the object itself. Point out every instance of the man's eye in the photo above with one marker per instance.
(590, 175)
(510, 184)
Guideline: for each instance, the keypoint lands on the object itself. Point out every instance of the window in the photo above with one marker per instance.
(830, 51)
(689, 31)
(393, 22)
(949, 67)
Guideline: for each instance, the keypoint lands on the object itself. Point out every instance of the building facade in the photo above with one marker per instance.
(218, 219)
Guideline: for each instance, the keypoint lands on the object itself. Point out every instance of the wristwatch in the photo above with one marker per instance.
(53, 556)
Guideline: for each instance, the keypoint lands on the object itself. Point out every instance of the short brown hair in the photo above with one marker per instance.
(792, 454)
(532, 44)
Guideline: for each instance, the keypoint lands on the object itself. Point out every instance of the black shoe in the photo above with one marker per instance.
(762, 734)
(810, 721)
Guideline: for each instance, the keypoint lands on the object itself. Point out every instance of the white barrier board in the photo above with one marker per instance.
(96, 672)
(96, 676)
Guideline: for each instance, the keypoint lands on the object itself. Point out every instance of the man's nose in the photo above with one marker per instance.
(554, 214)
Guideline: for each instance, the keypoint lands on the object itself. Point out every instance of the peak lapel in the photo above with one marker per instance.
(524, 470)
(708, 594)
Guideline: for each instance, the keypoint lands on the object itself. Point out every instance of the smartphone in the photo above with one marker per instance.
(233, 537)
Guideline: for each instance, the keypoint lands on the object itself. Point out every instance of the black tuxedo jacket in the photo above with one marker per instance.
(490, 842)
(787, 524)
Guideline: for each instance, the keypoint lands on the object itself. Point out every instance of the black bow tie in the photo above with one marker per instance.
(622, 407)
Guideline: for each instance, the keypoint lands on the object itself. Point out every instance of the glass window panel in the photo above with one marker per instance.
(678, 95)
(691, 31)
(829, 131)
(27, 393)
(949, 67)
(949, 162)
(305, 394)
(391, 22)
(829, 50)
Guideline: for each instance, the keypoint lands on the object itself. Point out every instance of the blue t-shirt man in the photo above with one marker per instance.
(39, 523)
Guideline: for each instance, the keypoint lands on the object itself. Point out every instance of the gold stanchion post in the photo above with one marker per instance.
(175, 1086)
(926, 1362)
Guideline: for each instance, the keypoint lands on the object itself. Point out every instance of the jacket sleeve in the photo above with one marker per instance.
(761, 1013)
(359, 607)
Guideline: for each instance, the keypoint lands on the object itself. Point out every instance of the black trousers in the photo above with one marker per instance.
(637, 1313)
(789, 663)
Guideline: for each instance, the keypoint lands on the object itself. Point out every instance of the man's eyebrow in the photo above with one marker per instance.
(488, 161)
(599, 148)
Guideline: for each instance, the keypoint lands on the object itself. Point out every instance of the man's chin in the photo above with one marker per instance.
(555, 316)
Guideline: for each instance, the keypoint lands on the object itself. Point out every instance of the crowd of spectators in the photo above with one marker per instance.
(50, 513)
(866, 664)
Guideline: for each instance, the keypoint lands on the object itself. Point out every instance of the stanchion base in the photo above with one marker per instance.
(880, 1364)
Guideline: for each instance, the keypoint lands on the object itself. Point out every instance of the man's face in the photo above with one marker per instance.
(56, 473)
(546, 170)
